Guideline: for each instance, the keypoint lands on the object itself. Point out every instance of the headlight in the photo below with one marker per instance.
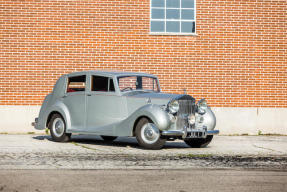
(173, 106)
(202, 106)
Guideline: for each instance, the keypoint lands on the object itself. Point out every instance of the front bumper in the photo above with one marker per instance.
(194, 133)
(202, 127)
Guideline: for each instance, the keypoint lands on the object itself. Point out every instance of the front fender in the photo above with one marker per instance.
(209, 119)
(159, 117)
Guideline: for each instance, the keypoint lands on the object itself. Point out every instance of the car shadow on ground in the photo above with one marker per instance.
(119, 142)
(42, 137)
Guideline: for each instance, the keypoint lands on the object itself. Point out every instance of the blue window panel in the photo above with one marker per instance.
(172, 14)
(172, 3)
(157, 14)
(187, 3)
(157, 26)
(173, 26)
(187, 27)
(187, 14)
(157, 3)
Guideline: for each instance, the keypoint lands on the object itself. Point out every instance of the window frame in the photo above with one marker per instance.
(109, 79)
(155, 80)
(68, 81)
(179, 20)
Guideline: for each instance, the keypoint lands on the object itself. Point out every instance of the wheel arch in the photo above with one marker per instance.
(137, 121)
(51, 115)
(151, 111)
(58, 108)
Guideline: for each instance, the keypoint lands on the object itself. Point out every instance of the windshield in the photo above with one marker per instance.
(129, 83)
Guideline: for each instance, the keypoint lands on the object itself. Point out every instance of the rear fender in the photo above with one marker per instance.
(58, 107)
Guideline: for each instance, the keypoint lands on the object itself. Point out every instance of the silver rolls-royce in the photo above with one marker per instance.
(113, 104)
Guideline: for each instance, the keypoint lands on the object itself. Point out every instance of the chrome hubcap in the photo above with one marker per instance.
(150, 133)
(58, 127)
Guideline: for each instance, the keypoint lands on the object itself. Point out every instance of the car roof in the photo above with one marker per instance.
(114, 73)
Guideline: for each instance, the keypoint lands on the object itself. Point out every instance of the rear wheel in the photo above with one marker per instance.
(199, 142)
(57, 128)
(108, 138)
(148, 135)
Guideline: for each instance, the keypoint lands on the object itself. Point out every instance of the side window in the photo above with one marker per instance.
(127, 82)
(76, 83)
(149, 84)
(100, 83)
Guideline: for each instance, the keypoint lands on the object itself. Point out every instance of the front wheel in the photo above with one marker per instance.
(57, 128)
(148, 135)
(199, 142)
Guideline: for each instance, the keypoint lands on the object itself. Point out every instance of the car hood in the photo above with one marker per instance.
(137, 99)
(155, 98)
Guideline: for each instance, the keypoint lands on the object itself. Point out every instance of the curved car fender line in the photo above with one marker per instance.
(61, 108)
(209, 119)
(159, 117)
(41, 124)
(151, 111)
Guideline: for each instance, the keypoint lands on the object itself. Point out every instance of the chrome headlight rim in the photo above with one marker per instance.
(173, 106)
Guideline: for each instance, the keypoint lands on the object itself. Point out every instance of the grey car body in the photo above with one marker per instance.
(117, 113)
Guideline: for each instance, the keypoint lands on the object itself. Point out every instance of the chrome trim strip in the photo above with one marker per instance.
(181, 133)
(212, 132)
(173, 133)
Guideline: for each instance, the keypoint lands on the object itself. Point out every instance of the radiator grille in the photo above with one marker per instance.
(185, 109)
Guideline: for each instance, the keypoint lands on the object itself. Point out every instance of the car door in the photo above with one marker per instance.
(75, 101)
(103, 105)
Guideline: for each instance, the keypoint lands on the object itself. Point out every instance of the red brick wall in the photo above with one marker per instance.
(237, 59)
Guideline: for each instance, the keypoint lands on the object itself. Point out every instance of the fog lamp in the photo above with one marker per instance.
(191, 119)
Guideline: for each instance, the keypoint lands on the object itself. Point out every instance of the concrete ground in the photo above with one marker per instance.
(143, 180)
(87, 163)
(91, 152)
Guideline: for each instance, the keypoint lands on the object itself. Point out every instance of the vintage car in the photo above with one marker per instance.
(113, 104)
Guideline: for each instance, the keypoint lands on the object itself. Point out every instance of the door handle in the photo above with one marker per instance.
(89, 95)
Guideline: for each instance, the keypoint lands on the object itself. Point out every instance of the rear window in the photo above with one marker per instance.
(76, 83)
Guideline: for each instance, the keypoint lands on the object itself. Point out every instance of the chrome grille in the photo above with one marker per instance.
(185, 109)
